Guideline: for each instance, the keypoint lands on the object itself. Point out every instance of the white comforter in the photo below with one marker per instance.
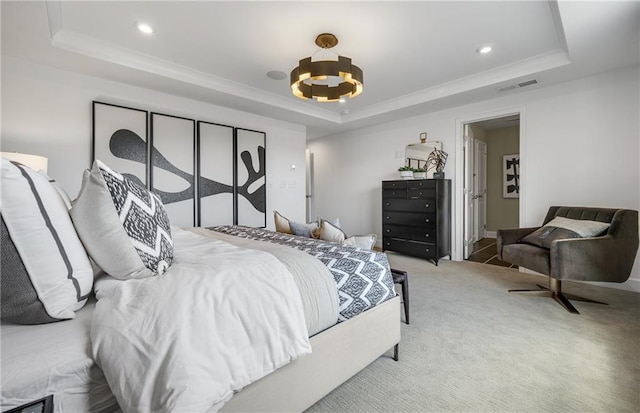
(220, 318)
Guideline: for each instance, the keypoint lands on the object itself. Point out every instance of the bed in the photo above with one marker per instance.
(145, 345)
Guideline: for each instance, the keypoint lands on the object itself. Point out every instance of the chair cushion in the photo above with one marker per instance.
(564, 228)
(527, 256)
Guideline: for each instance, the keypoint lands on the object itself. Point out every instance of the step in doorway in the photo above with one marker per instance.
(485, 251)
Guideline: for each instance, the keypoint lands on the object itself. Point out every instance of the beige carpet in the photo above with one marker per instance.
(473, 347)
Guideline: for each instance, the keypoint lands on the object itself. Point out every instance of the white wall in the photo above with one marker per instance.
(46, 111)
(580, 147)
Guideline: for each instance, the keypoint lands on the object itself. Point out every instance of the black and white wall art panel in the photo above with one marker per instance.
(120, 140)
(251, 178)
(215, 178)
(173, 166)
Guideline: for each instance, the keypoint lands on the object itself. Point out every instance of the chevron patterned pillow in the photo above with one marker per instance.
(123, 226)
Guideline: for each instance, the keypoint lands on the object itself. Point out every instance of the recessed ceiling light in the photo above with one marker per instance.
(144, 28)
(276, 75)
(483, 50)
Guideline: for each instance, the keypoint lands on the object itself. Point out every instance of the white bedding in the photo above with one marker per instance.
(39, 360)
(314, 280)
(220, 318)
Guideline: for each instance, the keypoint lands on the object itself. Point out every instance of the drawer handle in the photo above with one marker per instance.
(393, 192)
(426, 205)
(390, 231)
(425, 235)
(426, 249)
(426, 220)
(388, 243)
(388, 218)
(388, 203)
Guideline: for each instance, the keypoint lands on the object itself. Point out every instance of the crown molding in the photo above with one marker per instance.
(522, 68)
(71, 41)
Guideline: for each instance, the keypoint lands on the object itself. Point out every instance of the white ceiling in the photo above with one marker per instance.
(416, 56)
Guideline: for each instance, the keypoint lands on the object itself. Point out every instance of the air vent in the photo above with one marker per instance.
(518, 85)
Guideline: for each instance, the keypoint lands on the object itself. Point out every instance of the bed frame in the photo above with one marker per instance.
(338, 353)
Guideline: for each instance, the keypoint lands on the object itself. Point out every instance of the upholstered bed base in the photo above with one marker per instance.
(338, 354)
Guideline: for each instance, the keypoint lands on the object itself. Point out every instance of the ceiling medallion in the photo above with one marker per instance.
(326, 80)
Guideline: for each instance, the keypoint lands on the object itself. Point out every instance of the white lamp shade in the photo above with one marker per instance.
(35, 162)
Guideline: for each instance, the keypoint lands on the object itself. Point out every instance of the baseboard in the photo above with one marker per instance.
(632, 284)
(491, 234)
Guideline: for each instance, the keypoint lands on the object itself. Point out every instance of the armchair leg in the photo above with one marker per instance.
(555, 291)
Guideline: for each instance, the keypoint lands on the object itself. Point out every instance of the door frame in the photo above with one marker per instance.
(480, 175)
(458, 187)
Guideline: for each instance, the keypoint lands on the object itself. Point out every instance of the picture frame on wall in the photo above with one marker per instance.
(216, 174)
(120, 140)
(250, 180)
(173, 166)
(511, 176)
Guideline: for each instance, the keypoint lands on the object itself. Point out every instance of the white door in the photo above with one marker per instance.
(309, 190)
(469, 213)
(480, 189)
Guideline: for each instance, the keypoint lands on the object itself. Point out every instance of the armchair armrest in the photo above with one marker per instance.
(602, 258)
(511, 236)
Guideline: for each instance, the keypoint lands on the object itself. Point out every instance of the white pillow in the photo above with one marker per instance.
(124, 227)
(330, 232)
(282, 223)
(582, 227)
(63, 194)
(45, 272)
(366, 242)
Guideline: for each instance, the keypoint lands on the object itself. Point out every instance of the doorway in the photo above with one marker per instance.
(487, 145)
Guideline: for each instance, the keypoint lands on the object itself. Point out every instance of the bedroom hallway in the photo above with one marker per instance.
(485, 252)
(471, 346)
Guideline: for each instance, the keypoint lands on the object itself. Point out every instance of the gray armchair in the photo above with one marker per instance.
(608, 257)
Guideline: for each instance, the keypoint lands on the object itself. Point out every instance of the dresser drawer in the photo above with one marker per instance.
(422, 184)
(421, 193)
(410, 233)
(394, 184)
(394, 193)
(409, 205)
(420, 249)
(409, 218)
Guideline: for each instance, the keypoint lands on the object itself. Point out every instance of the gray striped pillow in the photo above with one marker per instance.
(45, 274)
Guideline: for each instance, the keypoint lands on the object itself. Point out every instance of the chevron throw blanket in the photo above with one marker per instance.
(363, 277)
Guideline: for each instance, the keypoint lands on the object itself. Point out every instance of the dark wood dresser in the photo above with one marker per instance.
(416, 217)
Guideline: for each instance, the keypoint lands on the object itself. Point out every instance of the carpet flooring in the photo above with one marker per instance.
(473, 347)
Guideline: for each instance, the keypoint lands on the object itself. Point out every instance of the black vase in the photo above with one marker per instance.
(438, 175)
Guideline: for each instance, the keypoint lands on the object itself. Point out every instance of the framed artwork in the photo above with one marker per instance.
(216, 170)
(206, 174)
(250, 180)
(417, 156)
(173, 166)
(511, 176)
(120, 139)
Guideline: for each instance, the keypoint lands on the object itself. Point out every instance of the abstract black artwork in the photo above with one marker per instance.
(210, 175)
(511, 176)
(251, 178)
(120, 140)
(173, 166)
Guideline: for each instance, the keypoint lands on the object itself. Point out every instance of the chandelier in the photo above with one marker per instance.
(326, 80)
